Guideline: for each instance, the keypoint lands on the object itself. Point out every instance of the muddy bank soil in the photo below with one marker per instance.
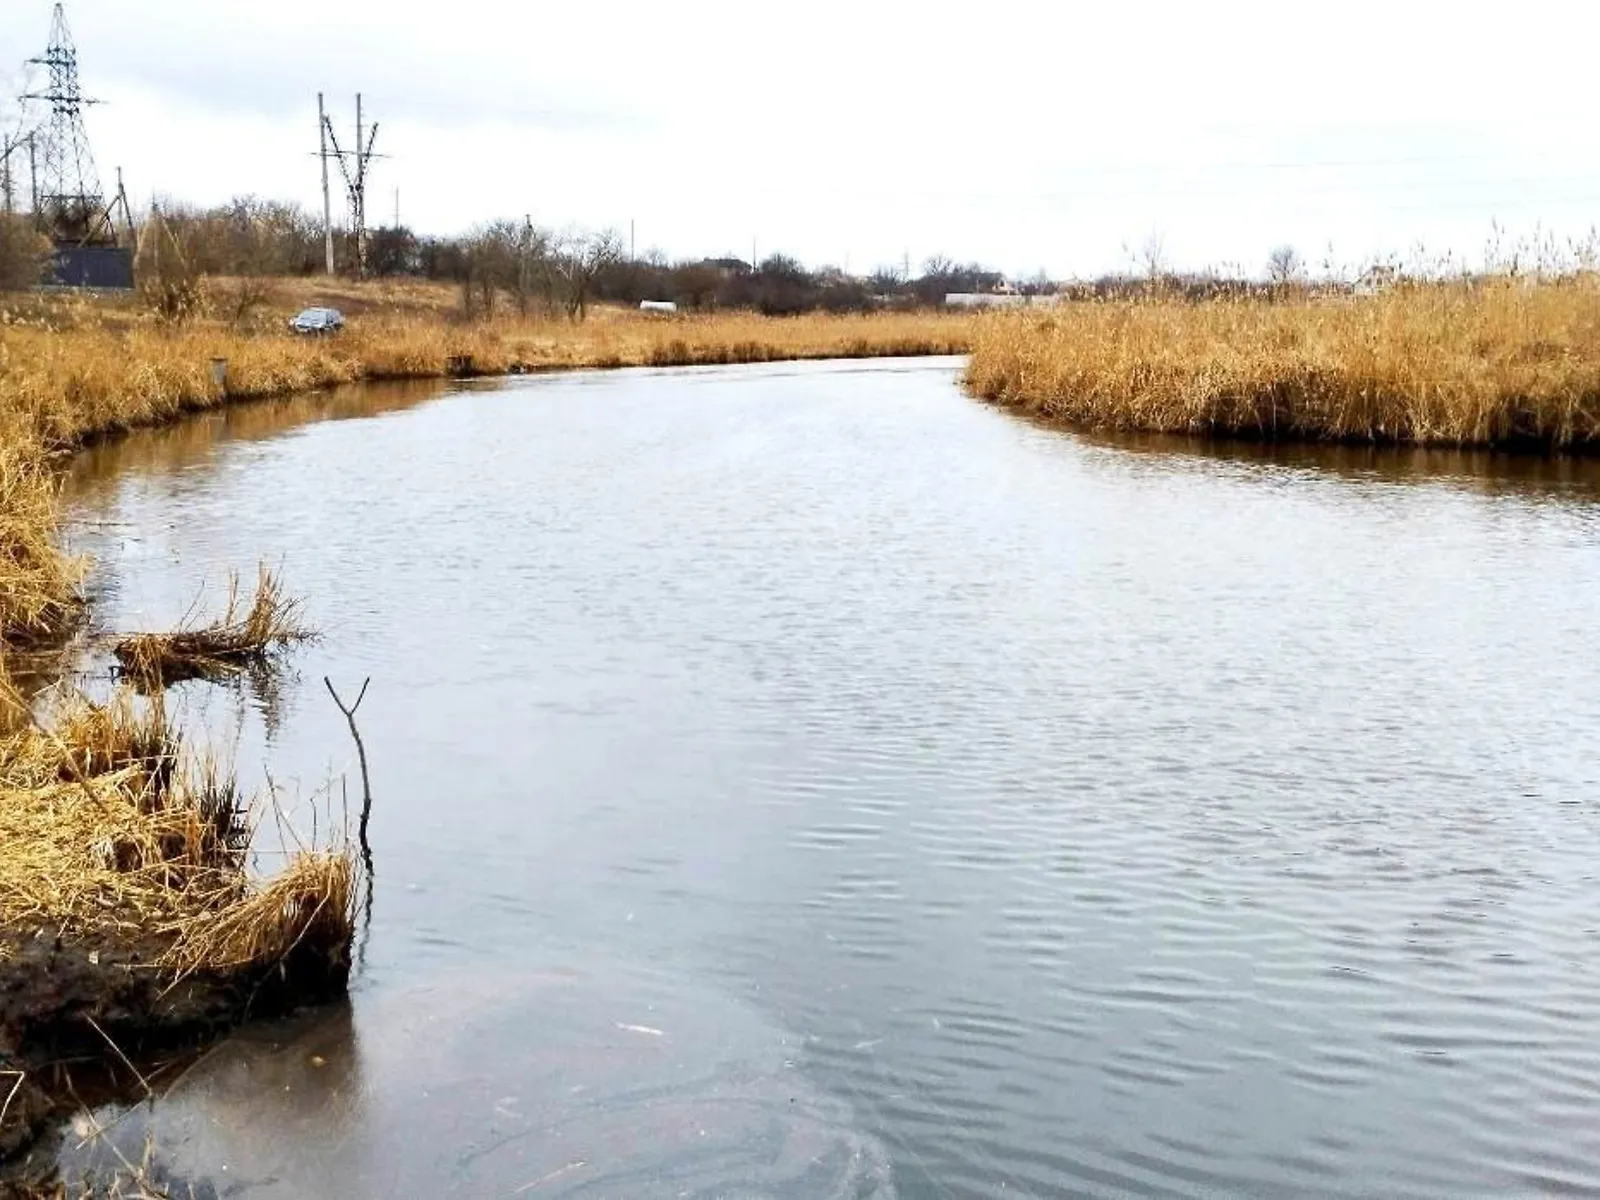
(83, 1025)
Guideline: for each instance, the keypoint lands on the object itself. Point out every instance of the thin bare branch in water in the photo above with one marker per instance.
(349, 712)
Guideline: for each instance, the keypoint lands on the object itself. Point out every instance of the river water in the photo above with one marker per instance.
(803, 780)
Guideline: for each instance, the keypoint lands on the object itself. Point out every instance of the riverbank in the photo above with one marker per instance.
(76, 372)
(130, 919)
(1492, 363)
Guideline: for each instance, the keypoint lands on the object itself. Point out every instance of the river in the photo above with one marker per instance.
(803, 780)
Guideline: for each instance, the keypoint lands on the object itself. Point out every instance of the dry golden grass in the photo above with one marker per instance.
(1484, 363)
(65, 385)
(111, 833)
(37, 580)
(241, 637)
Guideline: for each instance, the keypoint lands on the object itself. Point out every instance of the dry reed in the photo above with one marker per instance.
(1463, 363)
(241, 637)
(111, 833)
(37, 580)
(65, 382)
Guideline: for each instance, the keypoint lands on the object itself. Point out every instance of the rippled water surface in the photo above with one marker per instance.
(803, 780)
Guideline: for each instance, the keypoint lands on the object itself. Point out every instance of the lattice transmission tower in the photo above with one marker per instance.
(69, 204)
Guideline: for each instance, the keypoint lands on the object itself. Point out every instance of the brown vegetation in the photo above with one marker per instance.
(1487, 362)
(127, 907)
(23, 252)
(106, 823)
(241, 637)
(37, 580)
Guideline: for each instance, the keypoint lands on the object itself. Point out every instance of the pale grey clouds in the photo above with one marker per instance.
(1025, 134)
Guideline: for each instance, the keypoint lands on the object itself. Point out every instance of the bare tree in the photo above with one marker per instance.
(1040, 285)
(579, 260)
(24, 252)
(491, 266)
(888, 280)
(533, 263)
(1284, 265)
(696, 283)
(16, 191)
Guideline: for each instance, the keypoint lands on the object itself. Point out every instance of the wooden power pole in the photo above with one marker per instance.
(327, 198)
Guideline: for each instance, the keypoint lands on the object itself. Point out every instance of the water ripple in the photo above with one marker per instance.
(1096, 820)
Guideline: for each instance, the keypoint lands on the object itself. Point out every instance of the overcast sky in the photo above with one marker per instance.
(1026, 135)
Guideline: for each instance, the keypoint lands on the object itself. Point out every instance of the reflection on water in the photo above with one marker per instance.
(1568, 477)
(595, 1081)
(173, 448)
(1043, 814)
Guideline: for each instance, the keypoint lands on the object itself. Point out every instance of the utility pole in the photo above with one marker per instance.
(11, 144)
(358, 200)
(353, 166)
(33, 171)
(524, 248)
(327, 199)
(633, 256)
(127, 212)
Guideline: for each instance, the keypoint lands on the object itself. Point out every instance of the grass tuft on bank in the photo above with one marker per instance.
(111, 830)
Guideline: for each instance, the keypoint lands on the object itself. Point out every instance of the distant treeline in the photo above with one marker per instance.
(525, 266)
(522, 266)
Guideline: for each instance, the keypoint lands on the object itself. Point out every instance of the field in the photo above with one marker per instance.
(1495, 362)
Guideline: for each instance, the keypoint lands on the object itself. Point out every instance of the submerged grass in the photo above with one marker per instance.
(240, 638)
(1488, 362)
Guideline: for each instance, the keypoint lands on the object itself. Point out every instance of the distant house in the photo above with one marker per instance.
(1377, 278)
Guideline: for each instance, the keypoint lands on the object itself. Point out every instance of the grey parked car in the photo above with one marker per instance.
(318, 320)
